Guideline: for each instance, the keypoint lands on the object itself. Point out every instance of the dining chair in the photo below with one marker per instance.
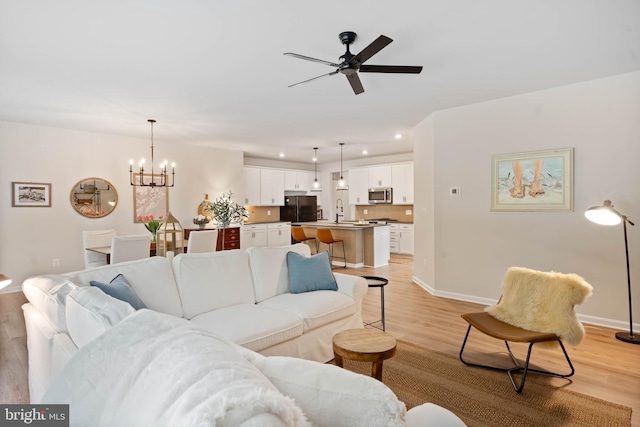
(130, 248)
(95, 239)
(202, 241)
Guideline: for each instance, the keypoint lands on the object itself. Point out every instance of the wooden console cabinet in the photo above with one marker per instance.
(231, 237)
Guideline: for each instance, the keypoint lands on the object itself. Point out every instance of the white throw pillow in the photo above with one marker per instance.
(49, 294)
(331, 396)
(90, 313)
(269, 269)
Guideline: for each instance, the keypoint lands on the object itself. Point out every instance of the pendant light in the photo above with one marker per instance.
(342, 184)
(315, 187)
(163, 181)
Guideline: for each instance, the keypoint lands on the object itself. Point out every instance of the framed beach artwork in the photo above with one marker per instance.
(31, 194)
(533, 181)
(149, 201)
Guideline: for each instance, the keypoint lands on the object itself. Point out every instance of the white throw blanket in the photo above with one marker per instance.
(153, 369)
(542, 302)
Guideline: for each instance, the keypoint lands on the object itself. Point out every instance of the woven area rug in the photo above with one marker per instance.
(482, 397)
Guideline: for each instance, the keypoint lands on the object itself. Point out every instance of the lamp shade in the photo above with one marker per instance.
(603, 215)
(4, 281)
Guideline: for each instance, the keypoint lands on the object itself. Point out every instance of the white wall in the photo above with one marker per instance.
(474, 247)
(30, 238)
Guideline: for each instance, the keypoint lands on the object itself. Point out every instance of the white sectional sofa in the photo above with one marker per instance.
(233, 305)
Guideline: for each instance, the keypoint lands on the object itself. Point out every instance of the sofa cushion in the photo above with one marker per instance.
(49, 295)
(310, 273)
(269, 269)
(90, 312)
(120, 289)
(332, 396)
(151, 278)
(251, 326)
(315, 308)
(209, 281)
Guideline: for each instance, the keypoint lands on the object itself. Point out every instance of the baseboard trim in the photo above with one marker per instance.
(583, 318)
(13, 287)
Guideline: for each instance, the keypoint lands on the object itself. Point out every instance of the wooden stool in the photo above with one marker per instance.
(365, 345)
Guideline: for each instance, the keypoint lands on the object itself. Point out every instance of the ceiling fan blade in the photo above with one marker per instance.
(308, 58)
(390, 69)
(376, 46)
(355, 83)
(306, 81)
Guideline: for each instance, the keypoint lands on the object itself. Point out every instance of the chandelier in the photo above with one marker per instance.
(155, 181)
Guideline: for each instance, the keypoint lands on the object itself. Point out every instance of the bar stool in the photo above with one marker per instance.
(324, 236)
(377, 282)
(299, 235)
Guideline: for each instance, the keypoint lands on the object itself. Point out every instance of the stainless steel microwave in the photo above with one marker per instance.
(380, 195)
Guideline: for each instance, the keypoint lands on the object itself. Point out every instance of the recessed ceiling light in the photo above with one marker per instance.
(365, 152)
(398, 136)
(281, 154)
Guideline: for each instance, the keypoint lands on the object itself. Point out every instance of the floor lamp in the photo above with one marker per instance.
(607, 215)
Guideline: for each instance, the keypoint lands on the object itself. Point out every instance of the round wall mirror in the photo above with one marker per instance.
(94, 197)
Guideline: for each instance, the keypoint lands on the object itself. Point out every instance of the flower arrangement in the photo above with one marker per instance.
(201, 220)
(151, 224)
(225, 211)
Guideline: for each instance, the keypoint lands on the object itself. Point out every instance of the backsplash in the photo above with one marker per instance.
(397, 212)
(261, 213)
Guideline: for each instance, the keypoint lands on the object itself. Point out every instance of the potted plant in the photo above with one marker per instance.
(151, 224)
(225, 212)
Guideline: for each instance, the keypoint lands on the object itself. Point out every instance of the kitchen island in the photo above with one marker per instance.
(364, 244)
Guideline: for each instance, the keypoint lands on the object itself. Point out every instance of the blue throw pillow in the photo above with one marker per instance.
(310, 274)
(121, 289)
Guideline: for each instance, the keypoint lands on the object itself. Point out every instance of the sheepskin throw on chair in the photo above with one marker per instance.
(542, 302)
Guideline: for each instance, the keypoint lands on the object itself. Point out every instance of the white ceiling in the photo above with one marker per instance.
(214, 73)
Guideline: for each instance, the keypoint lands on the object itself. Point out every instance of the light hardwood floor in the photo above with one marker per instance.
(605, 367)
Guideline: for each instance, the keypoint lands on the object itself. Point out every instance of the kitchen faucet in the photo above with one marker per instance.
(339, 205)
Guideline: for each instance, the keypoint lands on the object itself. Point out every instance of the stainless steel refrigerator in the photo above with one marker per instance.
(299, 209)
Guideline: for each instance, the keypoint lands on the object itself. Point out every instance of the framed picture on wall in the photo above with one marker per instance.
(31, 195)
(533, 181)
(149, 201)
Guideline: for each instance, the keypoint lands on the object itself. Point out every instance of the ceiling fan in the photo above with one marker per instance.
(352, 64)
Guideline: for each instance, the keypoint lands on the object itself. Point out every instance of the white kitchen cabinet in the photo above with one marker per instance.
(253, 236)
(297, 180)
(402, 183)
(359, 186)
(394, 233)
(401, 239)
(405, 239)
(272, 187)
(279, 234)
(379, 176)
(251, 186)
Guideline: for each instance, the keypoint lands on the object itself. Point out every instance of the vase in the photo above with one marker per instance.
(153, 236)
(201, 226)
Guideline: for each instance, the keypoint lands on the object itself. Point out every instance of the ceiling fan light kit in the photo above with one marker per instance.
(350, 65)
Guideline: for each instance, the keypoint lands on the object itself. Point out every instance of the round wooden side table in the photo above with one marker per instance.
(366, 345)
